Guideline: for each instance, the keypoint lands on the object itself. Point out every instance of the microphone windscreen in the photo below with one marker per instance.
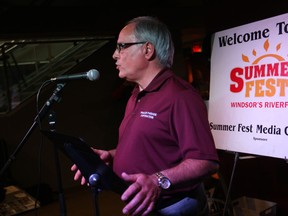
(93, 74)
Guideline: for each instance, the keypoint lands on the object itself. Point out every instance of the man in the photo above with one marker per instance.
(165, 148)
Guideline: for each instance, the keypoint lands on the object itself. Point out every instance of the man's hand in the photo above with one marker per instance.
(106, 156)
(141, 195)
(78, 174)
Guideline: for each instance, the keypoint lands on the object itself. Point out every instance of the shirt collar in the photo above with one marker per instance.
(158, 80)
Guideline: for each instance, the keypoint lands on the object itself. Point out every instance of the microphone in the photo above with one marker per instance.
(91, 75)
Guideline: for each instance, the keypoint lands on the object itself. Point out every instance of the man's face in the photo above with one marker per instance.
(130, 59)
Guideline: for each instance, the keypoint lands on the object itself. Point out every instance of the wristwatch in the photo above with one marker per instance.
(163, 181)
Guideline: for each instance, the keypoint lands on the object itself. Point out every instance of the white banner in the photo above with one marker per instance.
(248, 99)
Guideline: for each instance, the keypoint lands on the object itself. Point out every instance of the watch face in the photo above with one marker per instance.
(165, 183)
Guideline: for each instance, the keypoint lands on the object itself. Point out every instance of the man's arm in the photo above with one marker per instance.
(189, 173)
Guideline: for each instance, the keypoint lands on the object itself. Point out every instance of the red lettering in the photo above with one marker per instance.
(234, 76)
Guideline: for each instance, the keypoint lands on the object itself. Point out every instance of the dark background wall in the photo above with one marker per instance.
(87, 109)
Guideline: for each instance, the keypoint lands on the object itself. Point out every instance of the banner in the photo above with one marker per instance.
(248, 99)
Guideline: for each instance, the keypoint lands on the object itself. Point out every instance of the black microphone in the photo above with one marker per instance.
(91, 75)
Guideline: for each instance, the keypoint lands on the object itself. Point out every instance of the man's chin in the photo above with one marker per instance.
(122, 76)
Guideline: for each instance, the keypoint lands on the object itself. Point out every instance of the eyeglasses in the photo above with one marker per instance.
(121, 46)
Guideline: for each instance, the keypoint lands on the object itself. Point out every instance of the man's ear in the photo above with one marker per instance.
(149, 50)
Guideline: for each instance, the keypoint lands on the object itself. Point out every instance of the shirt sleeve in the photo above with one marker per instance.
(190, 126)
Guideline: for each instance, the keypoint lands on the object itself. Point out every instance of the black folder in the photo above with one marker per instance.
(87, 161)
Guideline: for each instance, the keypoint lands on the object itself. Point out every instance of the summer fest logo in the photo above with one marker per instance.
(260, 80)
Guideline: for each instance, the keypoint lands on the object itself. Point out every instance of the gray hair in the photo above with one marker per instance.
(152, 30)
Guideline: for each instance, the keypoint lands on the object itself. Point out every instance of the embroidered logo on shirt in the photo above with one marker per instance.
(146, 114)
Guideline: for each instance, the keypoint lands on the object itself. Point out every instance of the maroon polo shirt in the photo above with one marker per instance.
(164, 124)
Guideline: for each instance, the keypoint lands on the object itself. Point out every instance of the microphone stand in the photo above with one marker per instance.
(52, 122)
(94, 179)
(41, 114)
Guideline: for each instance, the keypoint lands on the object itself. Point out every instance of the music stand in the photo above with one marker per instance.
(99, 175)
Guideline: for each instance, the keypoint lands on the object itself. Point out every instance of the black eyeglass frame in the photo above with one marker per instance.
(121, 46)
